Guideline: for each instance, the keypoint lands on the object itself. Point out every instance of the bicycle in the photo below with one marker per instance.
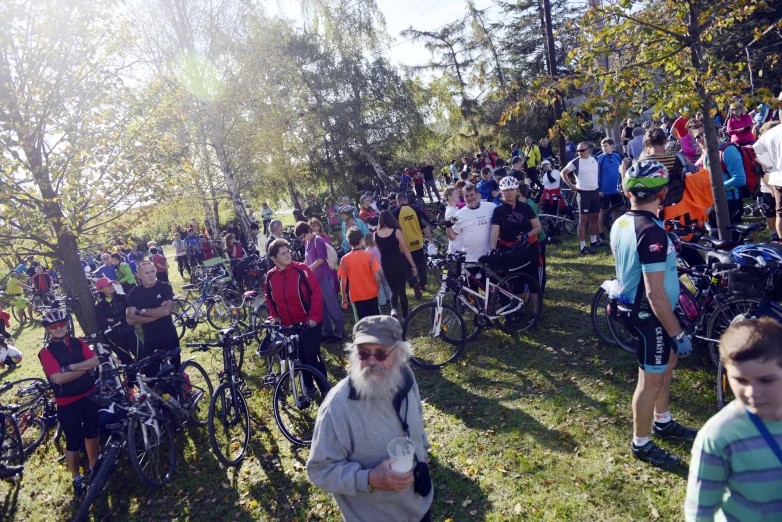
(138, 427)
(186, 315)
(504, 305)
(37, 416)
(299, 390)
(228, 418)
(11, 448)
(615, 211)
(552, 224)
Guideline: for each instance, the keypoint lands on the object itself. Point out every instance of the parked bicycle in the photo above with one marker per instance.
(207, 306)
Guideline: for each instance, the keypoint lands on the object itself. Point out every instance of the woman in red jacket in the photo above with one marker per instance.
(293, 295)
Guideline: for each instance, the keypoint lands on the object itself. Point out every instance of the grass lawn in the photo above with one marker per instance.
(536, 428)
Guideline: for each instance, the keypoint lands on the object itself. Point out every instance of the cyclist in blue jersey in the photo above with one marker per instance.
(648, 289)
(608, 182)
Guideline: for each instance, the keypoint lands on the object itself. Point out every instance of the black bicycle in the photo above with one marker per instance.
(229, 417)
(11, 449)
(299, 389)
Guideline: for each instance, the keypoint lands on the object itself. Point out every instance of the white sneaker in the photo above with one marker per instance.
(394, 314)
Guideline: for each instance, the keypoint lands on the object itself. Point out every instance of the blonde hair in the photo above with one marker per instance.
(369, 240)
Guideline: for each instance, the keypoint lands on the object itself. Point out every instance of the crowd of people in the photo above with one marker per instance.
(491, 205)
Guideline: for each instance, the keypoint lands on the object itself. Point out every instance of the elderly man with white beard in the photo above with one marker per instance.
(378, 401)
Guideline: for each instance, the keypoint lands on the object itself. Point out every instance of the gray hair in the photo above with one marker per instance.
(637, 131)
(274, 223)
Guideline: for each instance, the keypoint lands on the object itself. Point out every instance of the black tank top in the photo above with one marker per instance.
(389, 249)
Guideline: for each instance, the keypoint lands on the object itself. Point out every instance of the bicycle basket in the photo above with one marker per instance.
(749, 282)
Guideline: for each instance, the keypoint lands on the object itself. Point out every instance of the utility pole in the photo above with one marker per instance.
(552, 70)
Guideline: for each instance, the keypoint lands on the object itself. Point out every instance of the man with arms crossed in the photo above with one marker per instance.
(584, 168)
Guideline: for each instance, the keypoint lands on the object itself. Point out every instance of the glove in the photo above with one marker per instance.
(523, 237)
(432, 250)
(448, 224)
(682, 346)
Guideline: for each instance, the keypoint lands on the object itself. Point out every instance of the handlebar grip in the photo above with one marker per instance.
(725, 266)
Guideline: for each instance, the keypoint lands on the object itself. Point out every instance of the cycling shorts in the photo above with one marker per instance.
(607, 200)
(768, 208)
(652, 346)
(588, 201)
(79, 421)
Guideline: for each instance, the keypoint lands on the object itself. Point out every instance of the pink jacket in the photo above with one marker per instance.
(741, 138)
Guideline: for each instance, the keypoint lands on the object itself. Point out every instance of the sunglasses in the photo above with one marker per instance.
(583, 150)
(699, 137)
(379, 355)
(58, 326)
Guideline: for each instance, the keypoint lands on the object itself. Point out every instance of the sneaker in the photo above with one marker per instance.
(585, 250)
(602, 236)
(674, 430)
(417, 291)
(7, 472)
(597, 243)
(79, 487)
(394, 314)
(651, 452)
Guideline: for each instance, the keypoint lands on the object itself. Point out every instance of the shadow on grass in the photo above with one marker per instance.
(10, 504)
(456, 497)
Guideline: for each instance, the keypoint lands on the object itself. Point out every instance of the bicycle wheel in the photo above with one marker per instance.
(548, 223)
(600, 317)
(178, 315)
(229, 425)
(570, 226)
(218, 315)
(17, 315)
(151, 450)
(441, 242)
(258, 316)
(432, 352)
(32, 430)
(622, 335)
(105, 466)
(730, 312)
(724, 392)
(231, 296)
(518, 302)
(12, 451)
(297, 398)
(196, 391)
(472, 322)
(22, 392)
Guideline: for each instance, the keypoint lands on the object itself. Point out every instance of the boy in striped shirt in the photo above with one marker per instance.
(736, 472)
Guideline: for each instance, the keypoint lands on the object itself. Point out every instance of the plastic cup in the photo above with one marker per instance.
(401, 450)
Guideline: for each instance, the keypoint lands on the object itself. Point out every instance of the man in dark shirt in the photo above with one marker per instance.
(428, 171)
(515, 169)
(31, 268)
(149, 305)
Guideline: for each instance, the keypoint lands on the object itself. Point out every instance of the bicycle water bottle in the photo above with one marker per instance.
(623, 303)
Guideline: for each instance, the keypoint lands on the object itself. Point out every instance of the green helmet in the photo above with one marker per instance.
(646, 176)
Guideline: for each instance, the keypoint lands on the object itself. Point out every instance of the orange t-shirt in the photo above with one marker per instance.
(359, 267)
(697, 198)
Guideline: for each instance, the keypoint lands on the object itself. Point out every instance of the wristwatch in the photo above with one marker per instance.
(369, 486)
(66, 368)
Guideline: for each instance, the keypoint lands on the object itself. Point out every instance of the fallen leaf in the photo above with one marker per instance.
(546, 483)
(517, 509)
(467, 502)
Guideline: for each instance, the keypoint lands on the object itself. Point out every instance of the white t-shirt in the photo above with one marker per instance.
(587, 173)
(555, 175)
(456, 244)
(769, 153)
(474, 228)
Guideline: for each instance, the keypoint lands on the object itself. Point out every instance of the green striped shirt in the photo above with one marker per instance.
(734, 475)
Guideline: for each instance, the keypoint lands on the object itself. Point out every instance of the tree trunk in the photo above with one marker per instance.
(228, 174)
(292, 195)
(710, 129)
(77, 286)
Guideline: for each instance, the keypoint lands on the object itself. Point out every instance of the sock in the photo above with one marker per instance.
(662, 418)
(593, 238)
(640, 441)
(583, 244)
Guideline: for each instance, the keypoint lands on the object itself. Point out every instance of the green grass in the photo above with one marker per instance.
(535, 428)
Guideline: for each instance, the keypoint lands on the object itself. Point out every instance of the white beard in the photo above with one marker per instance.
(375, 383)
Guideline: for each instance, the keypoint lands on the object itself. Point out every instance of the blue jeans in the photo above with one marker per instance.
(331, 311)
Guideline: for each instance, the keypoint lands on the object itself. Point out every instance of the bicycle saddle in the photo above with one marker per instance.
(250, 293)
(747, 228)
(720, 244)
(188, 287)
(227, 332)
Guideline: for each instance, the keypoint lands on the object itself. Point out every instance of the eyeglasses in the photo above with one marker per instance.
(379, 355)
(583, 150)
(58, 326)
(699, 136)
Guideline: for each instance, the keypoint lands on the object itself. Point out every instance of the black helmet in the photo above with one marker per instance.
(53, 317)
(272, 344)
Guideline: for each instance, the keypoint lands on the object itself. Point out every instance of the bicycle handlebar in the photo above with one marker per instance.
(292, 329)
(227, 340)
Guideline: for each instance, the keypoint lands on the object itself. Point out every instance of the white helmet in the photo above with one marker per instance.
(545, 162)
(509, 183)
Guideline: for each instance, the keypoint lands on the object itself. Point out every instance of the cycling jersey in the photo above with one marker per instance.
(412, 222)
(639, 244)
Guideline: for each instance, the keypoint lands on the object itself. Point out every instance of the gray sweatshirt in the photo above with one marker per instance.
(351, 437)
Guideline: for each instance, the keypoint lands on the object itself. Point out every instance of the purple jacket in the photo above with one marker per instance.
(314, 250)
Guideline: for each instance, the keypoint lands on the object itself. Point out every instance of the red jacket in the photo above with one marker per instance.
(294, 294)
